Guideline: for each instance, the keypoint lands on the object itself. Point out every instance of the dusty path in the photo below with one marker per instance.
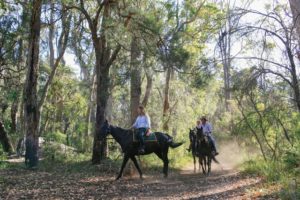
(222, 184)
(97, 182)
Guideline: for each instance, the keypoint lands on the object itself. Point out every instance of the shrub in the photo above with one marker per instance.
(292, 157)
(271, 170)
(56, 137)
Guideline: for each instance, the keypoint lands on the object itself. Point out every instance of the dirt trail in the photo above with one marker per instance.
(225, 182)
(222, 184)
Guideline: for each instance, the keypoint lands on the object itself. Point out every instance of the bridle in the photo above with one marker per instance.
(201, 136)
(106, 129)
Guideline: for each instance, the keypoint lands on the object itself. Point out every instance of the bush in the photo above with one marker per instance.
(271, 170)
(2, 154)
(56, 137)
(284, 173)
(292, 157)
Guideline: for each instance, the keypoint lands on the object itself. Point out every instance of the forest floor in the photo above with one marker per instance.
(86, 181)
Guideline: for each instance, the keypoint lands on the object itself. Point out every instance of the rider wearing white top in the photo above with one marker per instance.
(142, 124)
(142, 121)
(207, 130)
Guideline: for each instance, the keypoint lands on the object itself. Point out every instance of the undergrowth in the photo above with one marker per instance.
(284, 172)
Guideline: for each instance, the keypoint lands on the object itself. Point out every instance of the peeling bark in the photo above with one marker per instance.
(136, 80)
(31, 110)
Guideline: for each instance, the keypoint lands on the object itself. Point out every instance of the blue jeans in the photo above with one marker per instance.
(213, 142)
(140, 136)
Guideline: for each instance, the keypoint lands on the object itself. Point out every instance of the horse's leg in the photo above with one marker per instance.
(164, 157)
(199, 163)
(205, 164)
(209, 165)
(125, 159)
(166, 163)
(202, 164)
(137, 166)
(194, 163)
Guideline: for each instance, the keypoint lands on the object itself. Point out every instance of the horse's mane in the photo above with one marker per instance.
(123, 130)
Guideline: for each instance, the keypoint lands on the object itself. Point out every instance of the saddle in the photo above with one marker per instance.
(150, 138)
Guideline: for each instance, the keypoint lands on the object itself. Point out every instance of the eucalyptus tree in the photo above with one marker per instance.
(31, 110)
(230, 25)
(295, 8)
(104, 19)
(185, 23)
(13, 28)
(277, 37)
(59, 24)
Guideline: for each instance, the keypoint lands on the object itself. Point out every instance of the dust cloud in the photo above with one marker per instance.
(233, 154)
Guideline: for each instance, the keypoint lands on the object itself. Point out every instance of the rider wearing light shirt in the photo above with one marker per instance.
(143, 124)
(207, 130)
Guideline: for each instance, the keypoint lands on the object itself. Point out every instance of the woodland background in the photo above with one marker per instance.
(66, 66)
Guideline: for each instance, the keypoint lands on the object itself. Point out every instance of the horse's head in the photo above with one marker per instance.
(105, 130)
(200, 135)
(192, 135)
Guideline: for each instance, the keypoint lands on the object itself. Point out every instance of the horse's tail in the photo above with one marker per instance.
(175, 145)
(215, 160)
(171, 143)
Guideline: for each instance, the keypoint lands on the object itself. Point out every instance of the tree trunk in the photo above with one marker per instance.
(31, 110)
(295, 80)
(104, 59)
(295, 7)
(166, 107)
(225, 47)
(102, 74)
(13, 114)
(148, 89)
(135, 79)
(51, 35)
(6, 145)
(54, 63)
(20, 65)
(89, 111)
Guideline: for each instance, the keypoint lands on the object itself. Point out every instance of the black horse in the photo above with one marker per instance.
(130, 148)
(193, 148)
(204, 151)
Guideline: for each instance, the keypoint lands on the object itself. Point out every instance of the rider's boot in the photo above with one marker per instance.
(215, 152)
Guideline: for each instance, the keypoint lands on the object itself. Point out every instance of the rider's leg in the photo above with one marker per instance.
(141, 134)
(213, 142)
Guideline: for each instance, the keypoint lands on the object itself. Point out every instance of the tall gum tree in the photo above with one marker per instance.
(31, 111)
(98, 23)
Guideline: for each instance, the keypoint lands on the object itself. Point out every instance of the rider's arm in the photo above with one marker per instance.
(209, 128)
(135, 123)
(148, 121)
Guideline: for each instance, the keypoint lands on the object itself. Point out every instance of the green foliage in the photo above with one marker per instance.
(3, 157)
(56, 136)
(267, 169)
(291, 158)
(277, 172)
